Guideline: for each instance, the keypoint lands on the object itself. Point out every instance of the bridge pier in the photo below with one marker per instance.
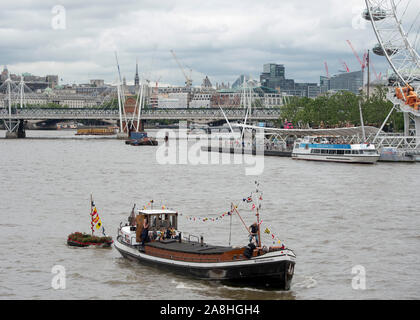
(15, 129)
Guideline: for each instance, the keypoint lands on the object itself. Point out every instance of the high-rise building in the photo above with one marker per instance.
(274, 77)
(239, 82)
(348, 81)
(52, 81)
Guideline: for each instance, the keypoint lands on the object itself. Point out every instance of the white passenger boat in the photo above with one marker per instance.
(326, 149)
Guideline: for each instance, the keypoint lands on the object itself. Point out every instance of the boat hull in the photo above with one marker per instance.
(334, 158)
(274, 272)
(72, 243)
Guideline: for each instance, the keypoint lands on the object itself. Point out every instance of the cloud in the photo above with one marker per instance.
(218, 38)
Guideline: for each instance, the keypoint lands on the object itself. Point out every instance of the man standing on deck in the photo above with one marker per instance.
(145, 232)
(253, 229)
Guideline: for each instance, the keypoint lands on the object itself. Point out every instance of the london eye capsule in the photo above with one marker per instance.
(377, 14)
(378, 50)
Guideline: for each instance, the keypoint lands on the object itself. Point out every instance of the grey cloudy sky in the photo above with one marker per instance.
(221, 39)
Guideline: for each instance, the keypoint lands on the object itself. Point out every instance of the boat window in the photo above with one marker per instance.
(332, 151)
(355, 151)
(361, 151)
(347, 151)
(315, 151)
(173, 224)
(324, 151)
(340, 151)
(297, 145)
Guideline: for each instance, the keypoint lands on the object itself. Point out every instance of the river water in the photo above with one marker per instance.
(334, 216)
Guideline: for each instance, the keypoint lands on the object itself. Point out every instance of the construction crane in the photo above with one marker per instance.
(156, 93)
(346, 68)
(188, 80)
(326, 69)
(362, 63)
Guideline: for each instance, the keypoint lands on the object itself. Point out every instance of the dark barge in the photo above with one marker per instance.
(271, 267)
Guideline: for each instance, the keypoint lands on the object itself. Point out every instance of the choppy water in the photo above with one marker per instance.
(334, 216)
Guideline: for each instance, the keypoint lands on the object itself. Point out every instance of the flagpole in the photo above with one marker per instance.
(259, 233)
(258, 194)
(91, 217)
(230, 227)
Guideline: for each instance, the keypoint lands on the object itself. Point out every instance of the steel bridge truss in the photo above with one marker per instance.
(146, 114)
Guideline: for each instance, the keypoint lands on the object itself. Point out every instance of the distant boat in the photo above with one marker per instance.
(78, 239)
(323, 149)
(141, 139)
(96, 131)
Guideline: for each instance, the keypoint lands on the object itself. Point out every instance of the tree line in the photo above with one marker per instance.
(341, 109)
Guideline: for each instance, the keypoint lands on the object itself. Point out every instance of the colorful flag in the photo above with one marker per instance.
(96, 221)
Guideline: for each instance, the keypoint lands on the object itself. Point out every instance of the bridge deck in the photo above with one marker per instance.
(148, 114)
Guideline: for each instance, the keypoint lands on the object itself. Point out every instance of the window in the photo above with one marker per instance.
(347, 152)
(315, 151)
(324, 151)
(340, 151)
(332, 151)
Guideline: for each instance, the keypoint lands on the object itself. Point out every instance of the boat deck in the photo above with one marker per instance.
(188, 247)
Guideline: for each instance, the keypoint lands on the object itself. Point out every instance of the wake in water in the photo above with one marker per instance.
(308, 282)
(181, 285)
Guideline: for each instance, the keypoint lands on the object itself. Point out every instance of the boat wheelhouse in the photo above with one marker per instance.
(333, 150)
(187, 254)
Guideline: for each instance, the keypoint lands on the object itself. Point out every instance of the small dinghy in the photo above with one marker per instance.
(78, 239)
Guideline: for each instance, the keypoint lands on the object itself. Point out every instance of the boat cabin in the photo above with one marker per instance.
(159, 219)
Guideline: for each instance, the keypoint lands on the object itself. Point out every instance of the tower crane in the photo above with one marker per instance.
(188, 80)
(344, 64)
(362, 63)
(326, 69)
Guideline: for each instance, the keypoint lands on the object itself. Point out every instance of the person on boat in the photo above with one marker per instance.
(145, 232)
(168, 233)
(253, 229)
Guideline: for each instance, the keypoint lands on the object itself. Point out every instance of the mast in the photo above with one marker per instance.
(230, 226)
(258, 214)
(9, 91)
(259, 233)
(91, 213)
(140, 105)
(368, 74)
(361, 121)
(122, 93)
(119, 107)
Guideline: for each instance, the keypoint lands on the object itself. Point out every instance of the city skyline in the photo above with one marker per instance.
(220, 45)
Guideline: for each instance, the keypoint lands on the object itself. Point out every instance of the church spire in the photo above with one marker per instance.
(136, 78)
